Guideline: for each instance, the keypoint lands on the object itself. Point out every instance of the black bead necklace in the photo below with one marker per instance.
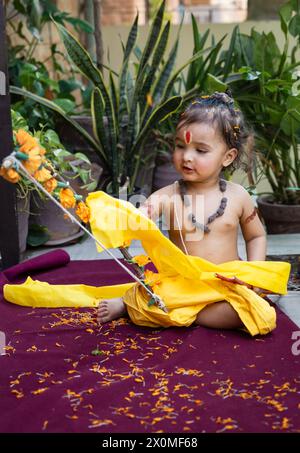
(219, 212)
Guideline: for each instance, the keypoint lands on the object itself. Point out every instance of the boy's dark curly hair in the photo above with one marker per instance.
(219, 109)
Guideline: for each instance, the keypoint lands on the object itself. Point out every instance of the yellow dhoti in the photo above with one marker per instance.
(186, 283)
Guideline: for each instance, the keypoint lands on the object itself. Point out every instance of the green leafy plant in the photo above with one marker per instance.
(127, 109)
(26, 24)
(66, 163)
(75, 169)
(75, 165)
(265, 80)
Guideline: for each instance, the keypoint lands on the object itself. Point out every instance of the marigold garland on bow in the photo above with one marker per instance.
(29, 158)
(32, 155)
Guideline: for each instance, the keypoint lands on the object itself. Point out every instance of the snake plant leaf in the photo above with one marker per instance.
(133, 111)
(131, 40)
(123, 110)
(157, 58)
(152, 37)
(113, 93)
(165, 73)
(80, 56)
(158, 115)
(100, 131)
(83, 61)
(140, 78)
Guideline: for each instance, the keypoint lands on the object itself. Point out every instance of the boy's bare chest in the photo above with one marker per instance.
(178, 216)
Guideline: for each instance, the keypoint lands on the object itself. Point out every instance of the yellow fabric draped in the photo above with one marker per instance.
(186, 283)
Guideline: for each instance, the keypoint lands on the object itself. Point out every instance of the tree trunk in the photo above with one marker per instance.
(9, 239)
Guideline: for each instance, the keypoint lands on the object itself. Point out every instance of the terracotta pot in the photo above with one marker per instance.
(279, 218)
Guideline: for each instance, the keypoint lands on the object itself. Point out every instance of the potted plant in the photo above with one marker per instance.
(47, 225)
(24, 189)
(266, 83)
(27, 25)
(127, 109)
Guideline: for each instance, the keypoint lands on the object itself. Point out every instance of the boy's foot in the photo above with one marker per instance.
(110, 309)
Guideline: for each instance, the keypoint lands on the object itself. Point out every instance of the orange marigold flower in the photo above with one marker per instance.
(27, 142)
(50, 185)
(10, 175)
(67, 198)
(141, 260)
(126, 243)
(30, 144)
(42, 175)
(151, 278)
(22, 136)
(34, 162)
(83, 212)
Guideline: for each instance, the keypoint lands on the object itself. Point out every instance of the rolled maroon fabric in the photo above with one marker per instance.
(49, 260)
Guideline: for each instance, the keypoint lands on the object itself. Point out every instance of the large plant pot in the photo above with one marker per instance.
(279, 218)
(61, 230)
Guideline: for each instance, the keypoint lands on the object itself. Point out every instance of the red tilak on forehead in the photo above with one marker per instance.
(187, 137)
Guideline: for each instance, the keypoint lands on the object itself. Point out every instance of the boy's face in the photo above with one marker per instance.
(201, 152)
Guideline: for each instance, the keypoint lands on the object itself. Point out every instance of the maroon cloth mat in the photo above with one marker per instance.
(46, 261)
(62, 373)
